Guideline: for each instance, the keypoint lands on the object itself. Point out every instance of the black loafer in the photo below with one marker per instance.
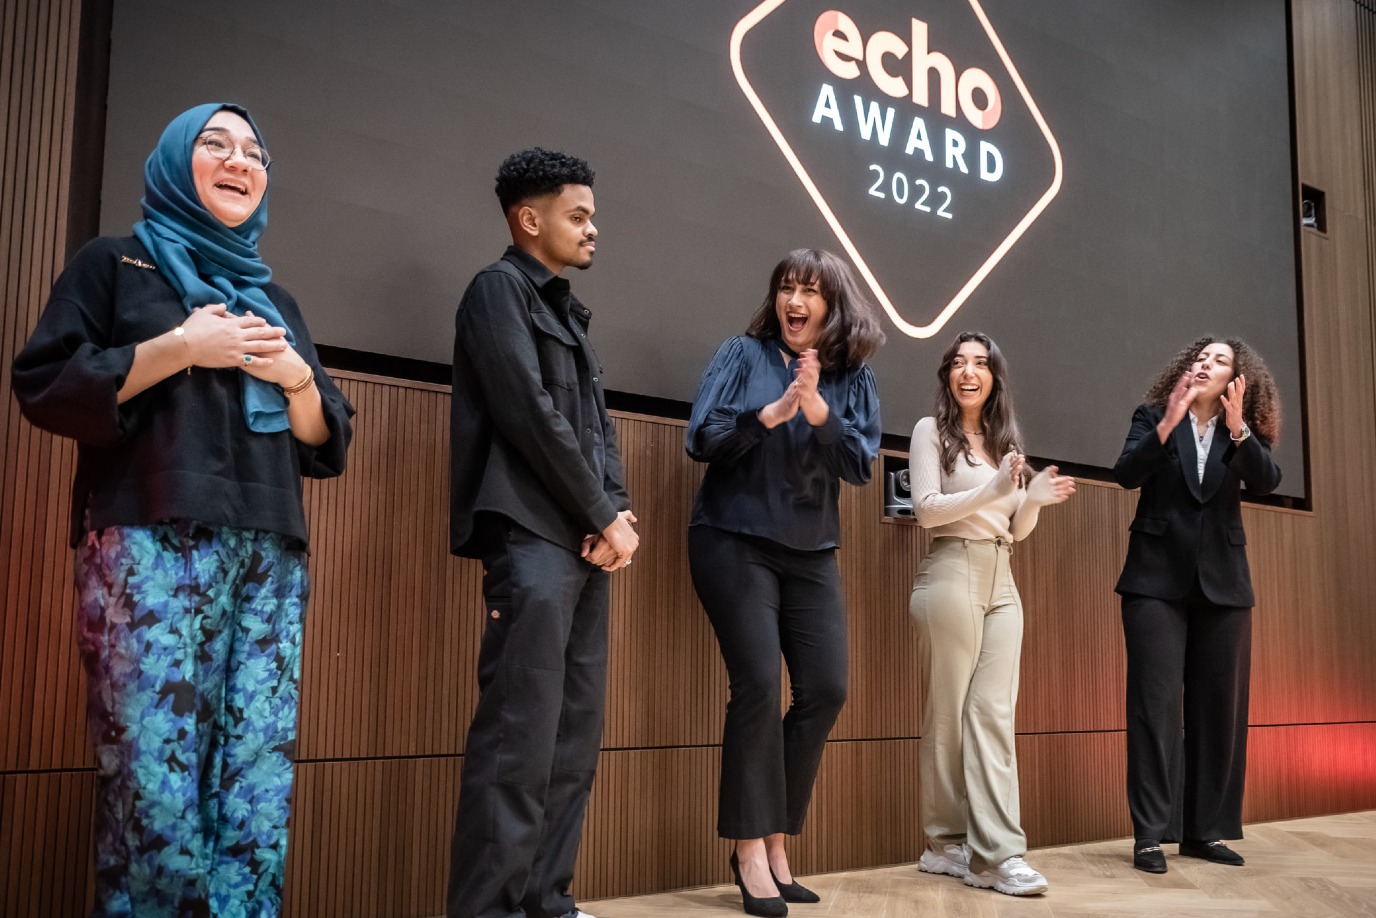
(1148, 856)
(1214, 851)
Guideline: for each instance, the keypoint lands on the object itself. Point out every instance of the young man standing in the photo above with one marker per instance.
(538, 494)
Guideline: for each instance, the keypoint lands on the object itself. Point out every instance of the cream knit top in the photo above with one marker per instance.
(972, 502)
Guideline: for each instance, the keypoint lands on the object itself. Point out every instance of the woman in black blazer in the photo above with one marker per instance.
(1205, 430)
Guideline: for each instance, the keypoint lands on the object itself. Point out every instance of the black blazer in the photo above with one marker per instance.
(1185, 528)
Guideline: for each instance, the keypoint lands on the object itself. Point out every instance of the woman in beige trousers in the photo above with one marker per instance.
(967, 474)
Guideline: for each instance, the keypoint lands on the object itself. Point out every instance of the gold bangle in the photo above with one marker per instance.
(300, 387)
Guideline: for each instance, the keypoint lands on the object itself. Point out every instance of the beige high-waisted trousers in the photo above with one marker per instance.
(969, 615)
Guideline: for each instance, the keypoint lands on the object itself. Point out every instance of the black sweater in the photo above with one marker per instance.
(182, 448)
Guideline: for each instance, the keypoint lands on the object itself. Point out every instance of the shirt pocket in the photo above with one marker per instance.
(557, 349)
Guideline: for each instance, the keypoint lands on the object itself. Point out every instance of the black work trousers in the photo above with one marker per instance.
(766, 601)
(1189, 662)
(532, 746)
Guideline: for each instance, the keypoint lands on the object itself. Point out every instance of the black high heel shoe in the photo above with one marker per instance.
(761, 907)
(795, 891)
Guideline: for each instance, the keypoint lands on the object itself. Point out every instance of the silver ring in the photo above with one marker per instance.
(248, 358)
(628, 563)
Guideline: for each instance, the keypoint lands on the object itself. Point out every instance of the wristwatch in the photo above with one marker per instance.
(1246, 432)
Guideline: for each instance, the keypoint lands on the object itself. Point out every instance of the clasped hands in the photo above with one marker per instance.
(215, 337)
(801, 395)
(613, 547)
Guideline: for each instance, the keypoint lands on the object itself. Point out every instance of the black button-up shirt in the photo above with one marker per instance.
(531, 439)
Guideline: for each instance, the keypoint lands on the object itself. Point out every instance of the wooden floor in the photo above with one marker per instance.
(1317, 867)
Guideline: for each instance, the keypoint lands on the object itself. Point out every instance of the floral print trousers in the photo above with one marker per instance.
(191, 640)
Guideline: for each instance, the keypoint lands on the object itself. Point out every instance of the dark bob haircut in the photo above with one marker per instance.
(851, 333)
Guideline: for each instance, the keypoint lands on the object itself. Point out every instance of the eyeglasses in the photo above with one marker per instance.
(222, 148)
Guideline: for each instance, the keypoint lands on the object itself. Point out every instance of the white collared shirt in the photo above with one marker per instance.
(1202, 442)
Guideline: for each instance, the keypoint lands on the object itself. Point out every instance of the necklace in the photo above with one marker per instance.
(1200, 435)
(972, 433)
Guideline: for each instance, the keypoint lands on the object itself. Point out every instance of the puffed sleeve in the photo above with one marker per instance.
(722, 426)
(848, 441)
(326, 460)
(931, 506)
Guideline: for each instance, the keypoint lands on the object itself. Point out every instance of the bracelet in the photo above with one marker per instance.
(300, 387)
(180, 333)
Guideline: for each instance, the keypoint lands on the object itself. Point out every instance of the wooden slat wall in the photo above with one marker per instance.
(37, 46)
(45, 806)
(394, 620)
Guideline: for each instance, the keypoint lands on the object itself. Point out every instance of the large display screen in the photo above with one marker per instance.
(1093, 183)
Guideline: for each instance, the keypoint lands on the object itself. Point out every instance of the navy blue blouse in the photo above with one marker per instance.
(781, 484)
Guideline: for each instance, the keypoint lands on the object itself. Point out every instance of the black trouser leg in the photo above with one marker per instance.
(1217, 672)
(575, 759)
(812, 630)
(532, 746)
(1187, 693)
(1155, 632)
(767, 601)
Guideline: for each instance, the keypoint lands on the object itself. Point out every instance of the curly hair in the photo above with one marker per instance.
(1261, 401)
(1001, 432)
(537, 172)
(851, 333)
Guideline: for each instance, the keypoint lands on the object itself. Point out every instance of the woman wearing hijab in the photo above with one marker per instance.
(196, 399)
(782, 416)
(966, 465)
(1205, 430)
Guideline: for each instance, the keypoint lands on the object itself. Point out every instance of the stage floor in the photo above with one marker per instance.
(1321, 867)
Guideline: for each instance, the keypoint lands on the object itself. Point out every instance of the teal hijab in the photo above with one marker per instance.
(204, 260)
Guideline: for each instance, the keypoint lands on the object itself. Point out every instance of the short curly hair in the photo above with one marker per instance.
(1260, 403)
(537, 172)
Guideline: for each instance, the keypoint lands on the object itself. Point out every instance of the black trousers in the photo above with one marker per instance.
(1189, 662)
(766, 600)
(533, 743)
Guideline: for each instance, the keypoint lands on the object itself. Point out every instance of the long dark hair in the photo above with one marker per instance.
(1001, 432)
(1261, 401)
(851, 332)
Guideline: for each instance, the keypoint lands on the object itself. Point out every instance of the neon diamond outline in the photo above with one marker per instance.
(754, 18)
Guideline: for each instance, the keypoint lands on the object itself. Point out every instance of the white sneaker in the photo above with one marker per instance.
(952, 860)
(1012, 878)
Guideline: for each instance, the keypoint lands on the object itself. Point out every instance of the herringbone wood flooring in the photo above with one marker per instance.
(1305, 868)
